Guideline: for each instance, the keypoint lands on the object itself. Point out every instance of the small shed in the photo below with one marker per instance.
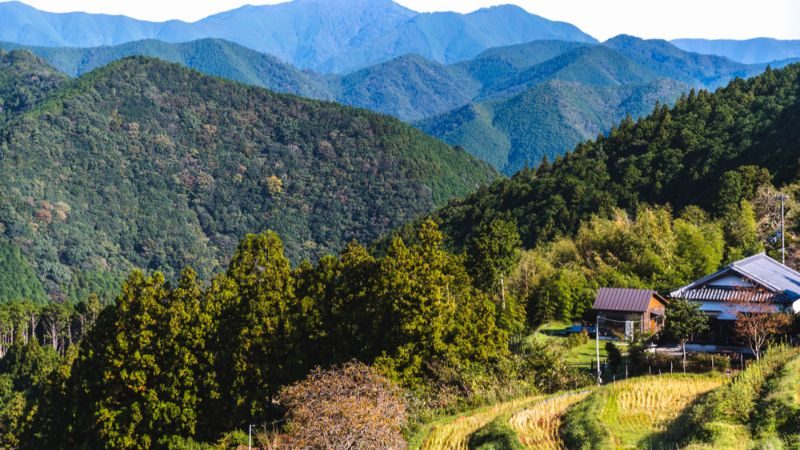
(627, 310)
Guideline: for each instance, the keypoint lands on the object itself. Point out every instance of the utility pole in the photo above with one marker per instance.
(783, 229)
(597, 348)
(250, 438)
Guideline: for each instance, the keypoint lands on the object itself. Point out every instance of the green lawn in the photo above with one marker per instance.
(583, 354)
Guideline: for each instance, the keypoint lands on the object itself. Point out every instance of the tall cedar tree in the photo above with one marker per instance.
(438, 317)
(262, 340)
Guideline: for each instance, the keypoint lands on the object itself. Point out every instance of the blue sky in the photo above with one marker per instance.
(733, 19)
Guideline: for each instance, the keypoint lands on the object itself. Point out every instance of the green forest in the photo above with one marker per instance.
(711, 150)
(147, 164)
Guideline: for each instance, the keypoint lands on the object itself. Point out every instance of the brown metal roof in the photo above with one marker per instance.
(618, 299)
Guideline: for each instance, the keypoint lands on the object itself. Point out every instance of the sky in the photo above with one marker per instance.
(668, 19)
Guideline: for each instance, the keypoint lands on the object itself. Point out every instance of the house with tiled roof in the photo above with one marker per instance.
(757, 278)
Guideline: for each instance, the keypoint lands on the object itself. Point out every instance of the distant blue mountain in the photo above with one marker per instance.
(323, 35)
(750, 51)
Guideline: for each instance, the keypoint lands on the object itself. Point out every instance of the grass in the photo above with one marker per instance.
(582, 355)
(726, 417)
(635, 413)
(497, 435)
(453, 433)
(537, 426)
(778, 412)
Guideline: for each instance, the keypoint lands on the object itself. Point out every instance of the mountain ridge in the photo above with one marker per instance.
(748, 51)
(633, 74)
(330, 37)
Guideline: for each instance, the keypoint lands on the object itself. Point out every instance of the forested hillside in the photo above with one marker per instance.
(147, 164)
(210, 56)
(24, 80)
(526, 112)
(510, 106)
(710, 149)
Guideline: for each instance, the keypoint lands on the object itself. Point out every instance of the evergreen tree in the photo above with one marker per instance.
(115, 384)
(435, 310)
(264, 342)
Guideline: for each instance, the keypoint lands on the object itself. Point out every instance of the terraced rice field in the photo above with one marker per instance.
(634, 412)
(537, 426)
(454, 434)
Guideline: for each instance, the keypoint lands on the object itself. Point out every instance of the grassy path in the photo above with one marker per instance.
(776, 421)
(453, 433)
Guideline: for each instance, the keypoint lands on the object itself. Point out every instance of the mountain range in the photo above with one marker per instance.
(749, 51)
(525, 114)
(323, 35)
(144, 163)
(510, 106)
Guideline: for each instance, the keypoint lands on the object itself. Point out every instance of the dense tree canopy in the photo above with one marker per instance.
(147, 164)
(692, 154)
(193, 360)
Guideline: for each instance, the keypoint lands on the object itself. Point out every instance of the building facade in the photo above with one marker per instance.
(755, 284)
(622, 311)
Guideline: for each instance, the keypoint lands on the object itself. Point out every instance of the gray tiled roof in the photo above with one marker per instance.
(618, 299)
(780, 282)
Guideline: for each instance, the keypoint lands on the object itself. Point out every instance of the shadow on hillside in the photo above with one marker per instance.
(677, 433)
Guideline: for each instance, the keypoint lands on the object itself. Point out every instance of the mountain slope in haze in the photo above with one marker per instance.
(145, 163)
(707, 145)
(589, 65)
(545, 109)
(324, 35)
(748, 51)
(499, 62)
(510, 106)
(543, 121)
(450, 37)
(410, 87)
(669, 61)
(211, 56)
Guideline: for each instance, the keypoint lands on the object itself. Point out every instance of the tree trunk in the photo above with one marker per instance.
(683, 346)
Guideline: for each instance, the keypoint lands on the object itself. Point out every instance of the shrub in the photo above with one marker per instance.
(704, 362)
(577, 339)
(348, 407)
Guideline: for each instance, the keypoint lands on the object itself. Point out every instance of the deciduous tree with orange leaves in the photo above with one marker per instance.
(352, 407)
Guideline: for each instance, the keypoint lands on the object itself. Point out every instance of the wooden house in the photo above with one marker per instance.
(621, 311)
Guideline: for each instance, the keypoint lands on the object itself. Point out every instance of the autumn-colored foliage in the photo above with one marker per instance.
(351, 407)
